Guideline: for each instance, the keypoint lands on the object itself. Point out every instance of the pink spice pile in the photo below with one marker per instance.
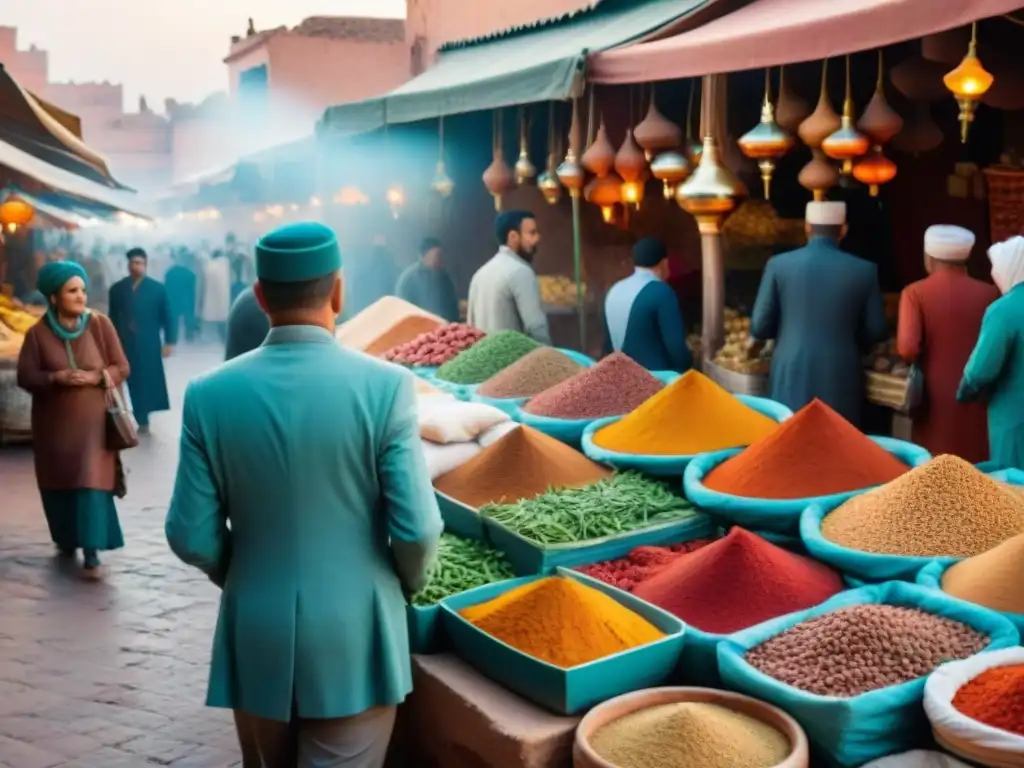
(640, 564)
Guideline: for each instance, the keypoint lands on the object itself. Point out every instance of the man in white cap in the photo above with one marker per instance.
(824, 309)
(996, 367)
(940, 318)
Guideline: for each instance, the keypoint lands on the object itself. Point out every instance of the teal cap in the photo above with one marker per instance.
(297, 252)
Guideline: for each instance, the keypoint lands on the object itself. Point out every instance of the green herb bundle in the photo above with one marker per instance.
(461, 564)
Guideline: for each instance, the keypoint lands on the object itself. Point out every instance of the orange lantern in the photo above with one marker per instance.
(15, 213)
(605, 192)
(968, 83)
(874, 170)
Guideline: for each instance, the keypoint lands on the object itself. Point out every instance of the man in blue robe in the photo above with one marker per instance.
(248, 325)
(824, 309)
(641, 314)
(428, 285)
(303, 492)
(141, 313)
(181, 284)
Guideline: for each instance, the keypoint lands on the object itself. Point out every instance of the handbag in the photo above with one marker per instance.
(915, 390)
(121, 432)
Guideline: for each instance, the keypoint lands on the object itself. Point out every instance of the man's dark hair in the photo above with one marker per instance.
(508, 222)
(427, 244)
(291, 297)
(831, 231)
(137, 253)
(648, 253)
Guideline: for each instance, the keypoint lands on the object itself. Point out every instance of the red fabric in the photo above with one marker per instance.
(940, 318)
(768, 33)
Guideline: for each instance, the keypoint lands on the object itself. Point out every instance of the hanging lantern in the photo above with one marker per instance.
(920, 133)
(968, 83)
(605, 192)
(498, 177)
(879, 121)
(671, 169)
(549, 187)
(819, 175)
(766, 142)
(657, 133)
(790, 109)
(15, 213)
(526, 171)
(847, 143)
(396, 199)
(442, 183)
(599, 158)
(874, 170)
(630, 162)
(823, 121)
(919, 79)
(712, 190)
(633, 192)
(570, 173)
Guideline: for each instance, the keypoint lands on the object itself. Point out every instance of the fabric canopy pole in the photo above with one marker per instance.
(767, 33)
(577, 266)
(712, 254)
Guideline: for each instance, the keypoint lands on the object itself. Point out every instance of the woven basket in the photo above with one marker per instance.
(888, 390)
(1005, 202)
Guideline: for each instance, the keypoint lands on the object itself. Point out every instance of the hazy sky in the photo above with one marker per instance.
(159, 48)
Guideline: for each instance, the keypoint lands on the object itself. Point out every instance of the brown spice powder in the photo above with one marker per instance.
(522, 465)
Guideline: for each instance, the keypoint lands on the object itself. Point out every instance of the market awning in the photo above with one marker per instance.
(529, 66)
(69, 183)
(772, 32)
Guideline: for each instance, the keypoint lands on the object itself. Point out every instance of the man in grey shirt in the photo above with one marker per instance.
(504, 294)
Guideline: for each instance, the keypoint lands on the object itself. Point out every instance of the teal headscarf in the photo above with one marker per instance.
(49, 281)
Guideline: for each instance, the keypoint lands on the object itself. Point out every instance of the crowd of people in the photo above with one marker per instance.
(301, 489)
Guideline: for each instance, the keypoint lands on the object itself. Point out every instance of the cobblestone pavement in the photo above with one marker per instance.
(109, 675)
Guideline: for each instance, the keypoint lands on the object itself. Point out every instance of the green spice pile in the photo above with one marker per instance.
(461, 564)
(491, 354)
(624, 502)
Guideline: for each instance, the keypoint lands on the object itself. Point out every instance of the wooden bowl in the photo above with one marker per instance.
(585, 757)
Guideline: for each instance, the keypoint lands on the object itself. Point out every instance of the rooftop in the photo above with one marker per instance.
(359, 28)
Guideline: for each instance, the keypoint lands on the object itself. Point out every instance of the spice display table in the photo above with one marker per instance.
(460, 719)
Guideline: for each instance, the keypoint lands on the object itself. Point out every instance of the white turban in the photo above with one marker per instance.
(948, 243)
(826, 214)
(1007, 260)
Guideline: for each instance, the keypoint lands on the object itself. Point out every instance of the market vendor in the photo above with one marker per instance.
(641, 314)
(275, 502)
(428, 285)
(996, 366)
(823, 307)
(940, 318)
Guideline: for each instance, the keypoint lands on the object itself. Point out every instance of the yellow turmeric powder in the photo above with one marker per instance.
(692, 415)
(561, 621)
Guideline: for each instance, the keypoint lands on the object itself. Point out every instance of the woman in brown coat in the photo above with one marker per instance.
(68, 359)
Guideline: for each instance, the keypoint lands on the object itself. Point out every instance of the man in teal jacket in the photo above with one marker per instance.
(302, 490)
(996, 366)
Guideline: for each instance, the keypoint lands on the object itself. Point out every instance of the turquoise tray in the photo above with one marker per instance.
(425, 631)
(565, 691)
(666, 466)
(459, 519)
(569, 431)
(528, 557)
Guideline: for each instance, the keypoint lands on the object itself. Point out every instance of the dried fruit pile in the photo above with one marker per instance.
(640, 564)
(435, 347)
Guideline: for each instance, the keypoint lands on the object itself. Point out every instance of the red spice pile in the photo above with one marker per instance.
(640, 564)
(815, 453)
(995, 698)
(737, 582)
(613, 387)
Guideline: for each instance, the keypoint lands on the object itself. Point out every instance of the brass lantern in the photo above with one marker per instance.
(605, 192)
(525, 170)
(395, 196)
(766, 142)
(711, 192)
(847, 143)
(874, 170)
(570, 173)
(15, 213)
(671, 169)
(547, 182)
(442, 183)
(968, 83)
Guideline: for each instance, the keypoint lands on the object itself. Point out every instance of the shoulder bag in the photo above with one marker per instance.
(121, 431)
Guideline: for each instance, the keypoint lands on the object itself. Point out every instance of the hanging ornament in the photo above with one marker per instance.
(823, 121)
(874, 170)
(599, 158)
(819, 175)
(847, 143)
(498, 177)
(919, 79)
(656, 133)
(968, 83)
(15, 212)
(526, 171)
(395, 197)
(880, 121)
(920, 133)
(631, 165)
(671, 169)
(691, 147)
(547, 182)
(790, 110)
(766, 142)
(442, 183)
(712, 190)
(605, 192)
(570, 173)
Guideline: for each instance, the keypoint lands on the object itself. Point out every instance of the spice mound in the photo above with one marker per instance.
(995, 698)
(690, 734)
(992, 579)
(376, 328)
(436, 346)
(616, 385)
(491, 354)
(815, 453)
(619, 504)
(640, 564)
(945, 508)
(864, 648)
(461, 565)
(521, 465)
(691, 415)
(562, 622)
(531, 374)
(737, 582)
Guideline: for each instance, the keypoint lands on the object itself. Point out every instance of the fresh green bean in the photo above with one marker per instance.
(461, 564)
(624, 502)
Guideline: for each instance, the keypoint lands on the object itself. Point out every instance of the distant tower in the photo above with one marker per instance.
(252, 28)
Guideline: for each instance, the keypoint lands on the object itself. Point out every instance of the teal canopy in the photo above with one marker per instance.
(531, 65)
